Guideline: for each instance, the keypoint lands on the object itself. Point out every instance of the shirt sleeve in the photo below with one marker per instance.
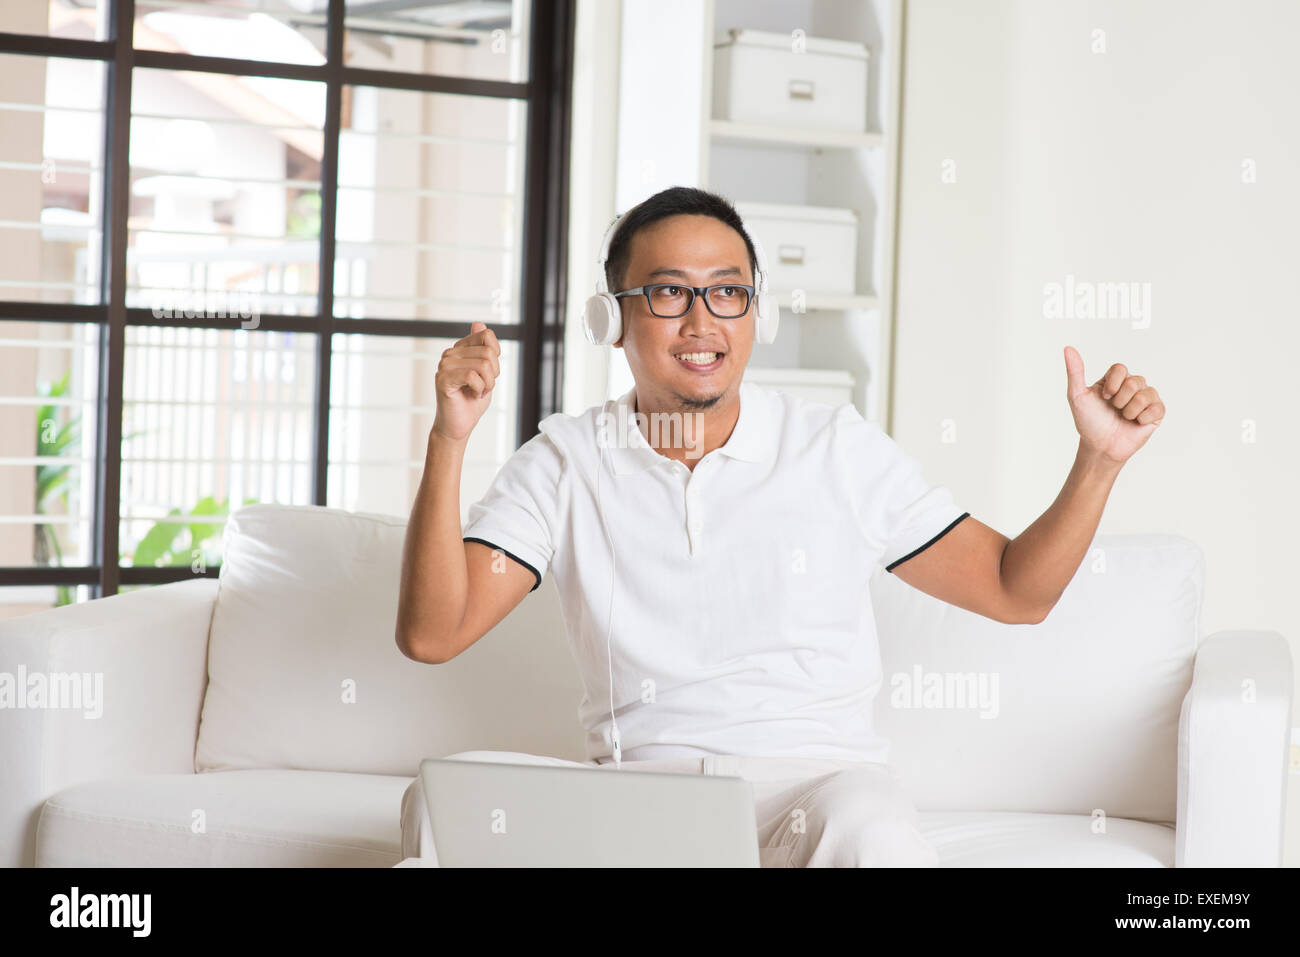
(897, 508)
(518, 513)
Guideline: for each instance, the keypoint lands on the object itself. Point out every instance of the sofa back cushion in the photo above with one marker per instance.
(1082, 709)
(304, 672)
(1079, 713)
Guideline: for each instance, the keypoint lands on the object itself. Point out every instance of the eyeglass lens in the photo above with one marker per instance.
(672, 302)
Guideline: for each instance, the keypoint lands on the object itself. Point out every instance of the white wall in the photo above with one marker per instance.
(1123, 165)
(662, 55)
(593, 150)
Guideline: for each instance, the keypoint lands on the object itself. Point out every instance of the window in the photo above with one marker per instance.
(237, 236)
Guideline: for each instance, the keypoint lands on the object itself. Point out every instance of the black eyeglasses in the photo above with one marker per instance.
(670, 300)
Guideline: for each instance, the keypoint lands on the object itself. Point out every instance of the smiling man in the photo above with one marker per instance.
(737, 553)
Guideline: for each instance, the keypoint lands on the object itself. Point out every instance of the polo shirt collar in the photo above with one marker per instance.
(752, 440)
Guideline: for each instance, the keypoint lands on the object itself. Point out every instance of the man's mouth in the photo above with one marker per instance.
(701, 361)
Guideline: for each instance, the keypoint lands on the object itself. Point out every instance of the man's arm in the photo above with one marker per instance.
(1017, 581)
(1020, 580)
(453, 592)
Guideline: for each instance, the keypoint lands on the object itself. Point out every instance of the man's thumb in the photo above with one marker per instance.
(1074, 370)
(477, 325)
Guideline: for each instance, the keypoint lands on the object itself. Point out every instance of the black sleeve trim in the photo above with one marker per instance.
(892, 565)
(510, 555)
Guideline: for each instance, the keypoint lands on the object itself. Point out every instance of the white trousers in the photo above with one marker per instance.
(810, 812)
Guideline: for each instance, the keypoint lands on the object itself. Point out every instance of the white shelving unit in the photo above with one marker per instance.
(665, 82)
(748, 163)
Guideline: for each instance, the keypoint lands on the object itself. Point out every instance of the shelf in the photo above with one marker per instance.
(727, 131)
(838, 301)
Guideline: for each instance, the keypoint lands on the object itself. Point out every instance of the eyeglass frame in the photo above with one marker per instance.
(701, 291)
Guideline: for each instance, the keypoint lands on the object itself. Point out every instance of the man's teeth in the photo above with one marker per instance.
(698, 358)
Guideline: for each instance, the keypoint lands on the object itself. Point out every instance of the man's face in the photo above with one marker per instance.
(695, 251)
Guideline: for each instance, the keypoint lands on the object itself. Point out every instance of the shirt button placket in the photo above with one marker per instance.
(694, 514)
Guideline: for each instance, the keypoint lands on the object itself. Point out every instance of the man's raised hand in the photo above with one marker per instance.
(1116, 414)
(464, 381)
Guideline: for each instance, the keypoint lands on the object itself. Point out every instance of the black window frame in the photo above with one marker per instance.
(543, 256)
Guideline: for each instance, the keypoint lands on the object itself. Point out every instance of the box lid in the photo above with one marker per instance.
(815, 214)
(823, 46)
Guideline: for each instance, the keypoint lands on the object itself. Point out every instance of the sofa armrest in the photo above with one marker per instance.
(145, 651)
(1234, 735)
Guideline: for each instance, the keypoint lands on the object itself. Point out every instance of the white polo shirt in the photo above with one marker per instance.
(742, 619)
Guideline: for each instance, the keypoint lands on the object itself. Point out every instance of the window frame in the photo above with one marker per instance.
(543, 253)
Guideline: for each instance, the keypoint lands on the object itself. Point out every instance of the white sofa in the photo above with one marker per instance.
(268, 718)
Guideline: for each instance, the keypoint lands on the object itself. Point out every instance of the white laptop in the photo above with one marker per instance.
(488, 814)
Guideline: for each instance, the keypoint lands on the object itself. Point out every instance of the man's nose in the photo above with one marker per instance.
(698, 317)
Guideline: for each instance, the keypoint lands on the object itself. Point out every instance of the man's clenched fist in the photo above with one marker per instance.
(1116, 414)
(464, 381)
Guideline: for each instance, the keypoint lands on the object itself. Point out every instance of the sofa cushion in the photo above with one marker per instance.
(1087, 701)
(304, 671)
(249, 819)
(1009, 839)
(324, 819)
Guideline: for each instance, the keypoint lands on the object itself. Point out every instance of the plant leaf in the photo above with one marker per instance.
(200, 532)
(157, 542)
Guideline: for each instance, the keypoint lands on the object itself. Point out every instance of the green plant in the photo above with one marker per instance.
(169, 544)
(53, 481)
(165, 544)
(302, 221)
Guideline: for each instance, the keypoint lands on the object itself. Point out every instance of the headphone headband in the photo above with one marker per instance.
(601, 285)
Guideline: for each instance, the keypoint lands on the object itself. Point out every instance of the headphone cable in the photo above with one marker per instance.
(609, 631)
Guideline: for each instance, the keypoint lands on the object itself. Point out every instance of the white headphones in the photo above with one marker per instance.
(602, 319)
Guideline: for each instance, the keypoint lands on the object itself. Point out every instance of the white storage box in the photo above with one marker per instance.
(832, 386)
(813, 248)
(759, 78)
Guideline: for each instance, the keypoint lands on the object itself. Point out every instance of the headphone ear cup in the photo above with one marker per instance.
(602, 319)
(767, 317)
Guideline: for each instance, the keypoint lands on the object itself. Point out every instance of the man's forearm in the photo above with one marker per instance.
(435, 580)
(1039, 562)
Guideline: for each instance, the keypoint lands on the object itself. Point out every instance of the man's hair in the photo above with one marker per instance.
(674, 201)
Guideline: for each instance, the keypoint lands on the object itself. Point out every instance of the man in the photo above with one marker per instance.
(736, 547)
